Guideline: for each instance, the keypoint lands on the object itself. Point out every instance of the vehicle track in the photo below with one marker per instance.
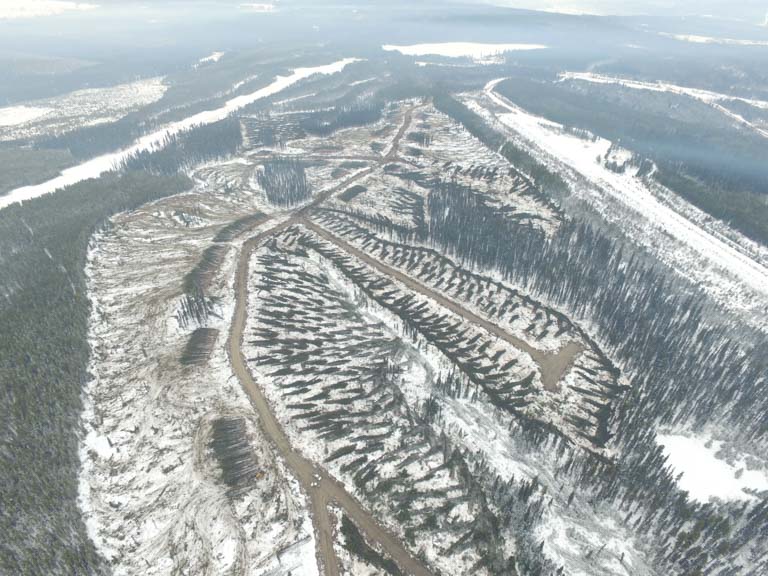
(321, 488)
(552, 365)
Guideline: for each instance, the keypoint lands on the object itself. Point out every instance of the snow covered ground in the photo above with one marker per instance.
(152, 489)
(211, 58)
(90, 107)
(724, 268)
(16, 115)
(572, 530)
(302, 300)
(705, 476)
(351, 563)
(326, 386)
(713, 40)
(480, 53)
(156, 140)
(452, 149)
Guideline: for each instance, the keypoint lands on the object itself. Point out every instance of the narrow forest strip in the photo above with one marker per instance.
(552, 366)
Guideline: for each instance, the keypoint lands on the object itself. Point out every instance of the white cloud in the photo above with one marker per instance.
(13, 9)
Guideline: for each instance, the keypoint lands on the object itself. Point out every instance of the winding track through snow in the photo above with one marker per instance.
(95, 167)
(552, 365)
(708, 97)
(631, 192)
(321, 487)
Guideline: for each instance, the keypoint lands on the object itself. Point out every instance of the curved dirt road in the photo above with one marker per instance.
(321, 488)
(552, 365)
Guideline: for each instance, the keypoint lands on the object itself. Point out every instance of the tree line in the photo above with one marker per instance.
(44, 314)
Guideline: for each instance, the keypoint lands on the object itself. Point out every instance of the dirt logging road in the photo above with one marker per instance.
(552, 365)
(321, 488)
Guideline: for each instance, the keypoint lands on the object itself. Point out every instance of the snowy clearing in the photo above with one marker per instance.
(704, 476)
(349, 359)
(15, 115)
(156, 140)
(215, 57)
(154, 490)
(712, 40)
(365, 367)
(90, 107)
(482, 53)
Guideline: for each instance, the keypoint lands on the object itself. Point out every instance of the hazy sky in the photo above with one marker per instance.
(753, 11)
(36, 8)
(748, 10)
